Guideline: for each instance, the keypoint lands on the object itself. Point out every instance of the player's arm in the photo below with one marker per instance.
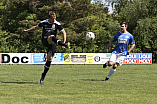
(132, 42)
(108, 45)
(111, 42)
(131, 48)
(32, 28)
(64, 35)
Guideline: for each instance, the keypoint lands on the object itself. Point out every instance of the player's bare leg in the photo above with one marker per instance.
(108, 63)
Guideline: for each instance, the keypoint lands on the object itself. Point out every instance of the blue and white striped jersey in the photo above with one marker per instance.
(123, 40)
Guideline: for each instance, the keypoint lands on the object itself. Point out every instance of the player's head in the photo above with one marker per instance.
(124, 26)
(125, 23)
(52, 15)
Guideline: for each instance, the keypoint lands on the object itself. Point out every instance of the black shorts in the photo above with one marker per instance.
(50, 47)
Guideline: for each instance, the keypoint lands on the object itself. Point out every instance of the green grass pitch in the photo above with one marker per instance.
(78, 84)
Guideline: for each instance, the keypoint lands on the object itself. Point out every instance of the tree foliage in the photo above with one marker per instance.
(77, 17)
(133, 10)
(146, 35)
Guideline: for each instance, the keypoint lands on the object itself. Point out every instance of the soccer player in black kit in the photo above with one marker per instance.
(49, 40)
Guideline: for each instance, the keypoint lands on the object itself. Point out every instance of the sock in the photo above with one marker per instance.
(58, 41)
(61, 43)
(111, 72)
(46, 69)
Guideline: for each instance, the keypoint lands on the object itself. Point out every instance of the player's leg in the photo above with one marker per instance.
(52, 39)
(50, 54)
(111, 61)
(118, 62)
(46, 66)
(113, 69)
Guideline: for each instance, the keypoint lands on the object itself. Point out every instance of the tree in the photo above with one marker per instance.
(133, 10)
(77, 17)
(4, 42)
(14, 11)
(146, 35)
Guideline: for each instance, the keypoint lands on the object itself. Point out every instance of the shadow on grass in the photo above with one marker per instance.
(92, 80)
(59, 83)
(20, 82)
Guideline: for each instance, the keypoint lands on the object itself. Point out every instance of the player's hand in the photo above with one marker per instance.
(62, 46)
(128, 53)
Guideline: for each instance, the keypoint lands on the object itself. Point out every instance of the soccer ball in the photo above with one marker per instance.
(90, 35)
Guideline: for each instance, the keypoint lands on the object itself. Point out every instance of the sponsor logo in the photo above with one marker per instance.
(130, 61)
(67, 58)
(127, 36)
(131, 56)
(144, 56)
(78, 58)
(108, 55)
(6, 58)
(97, 58)
(122, 41)
(144, 61)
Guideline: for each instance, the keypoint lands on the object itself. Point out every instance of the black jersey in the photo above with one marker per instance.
(50, 29)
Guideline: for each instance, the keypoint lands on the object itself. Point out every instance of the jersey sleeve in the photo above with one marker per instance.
(60, 27)
(131, 41)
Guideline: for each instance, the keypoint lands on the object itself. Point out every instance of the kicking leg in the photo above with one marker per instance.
(108, 63)
(111, 61)
(52, 39)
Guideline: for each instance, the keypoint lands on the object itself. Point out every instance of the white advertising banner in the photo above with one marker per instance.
(71, 58)
(16, 58)
(101, 58)
(29, 58)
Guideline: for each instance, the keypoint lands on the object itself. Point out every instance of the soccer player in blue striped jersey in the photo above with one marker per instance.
(120, 51)
(49, 40)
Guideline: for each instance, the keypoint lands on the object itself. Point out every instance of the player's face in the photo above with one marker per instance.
(123, 28)
(53, 16)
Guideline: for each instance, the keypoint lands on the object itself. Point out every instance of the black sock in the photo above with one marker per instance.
(59, 42)
(46, 69)
(62, 44)
(47, 65)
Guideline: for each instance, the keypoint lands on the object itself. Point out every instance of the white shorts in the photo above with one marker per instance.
(117, 58)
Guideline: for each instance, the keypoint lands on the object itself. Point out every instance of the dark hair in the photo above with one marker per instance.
(51, 13)
(126, 24)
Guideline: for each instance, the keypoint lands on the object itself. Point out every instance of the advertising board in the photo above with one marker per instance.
(71, 58)
(101, 58)
(78, 58)
(138, 58)
(16, 58)
(41, 58)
